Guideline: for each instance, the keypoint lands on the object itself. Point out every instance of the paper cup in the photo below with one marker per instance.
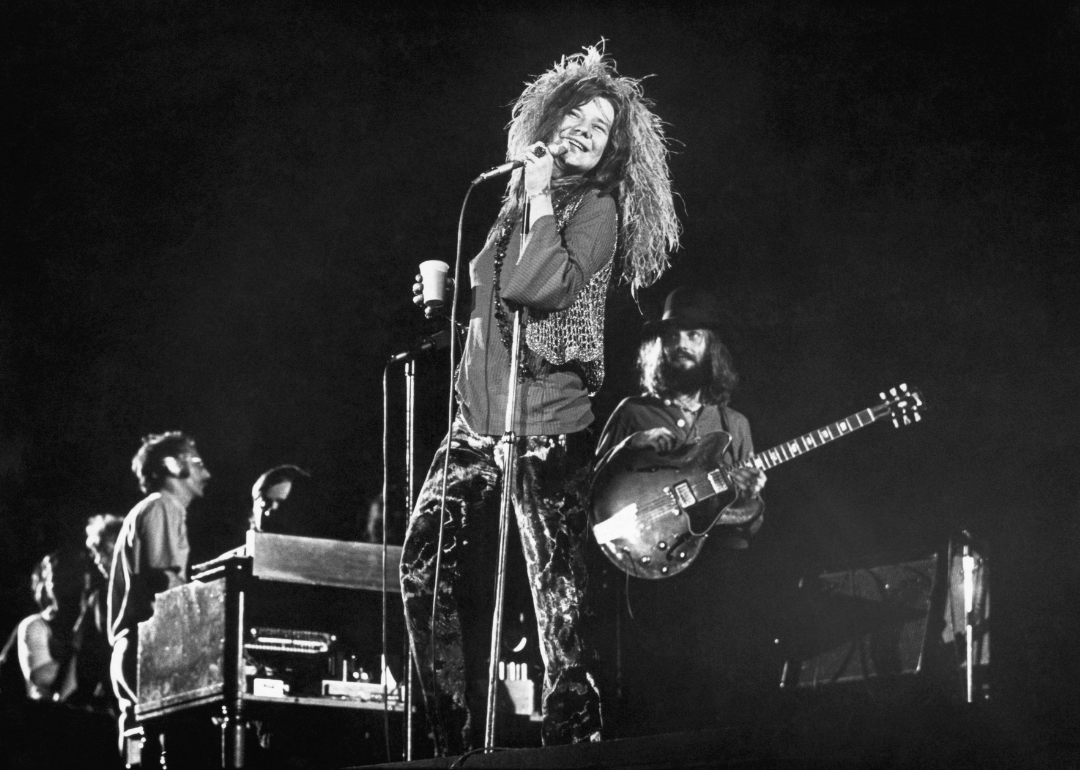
(433, 276)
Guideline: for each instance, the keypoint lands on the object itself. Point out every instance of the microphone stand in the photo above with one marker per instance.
(967, 562)
(410, 492)
(409, 357)
(509, 444)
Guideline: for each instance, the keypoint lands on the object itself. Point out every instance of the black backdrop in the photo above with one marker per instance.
(213, 212)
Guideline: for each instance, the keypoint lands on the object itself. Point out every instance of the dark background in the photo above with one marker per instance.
(213, 213)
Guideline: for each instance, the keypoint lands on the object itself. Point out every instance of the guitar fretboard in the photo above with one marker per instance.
(770, 458)
(789, 450)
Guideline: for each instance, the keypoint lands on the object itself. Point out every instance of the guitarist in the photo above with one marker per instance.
(693, 645)
(687, 378)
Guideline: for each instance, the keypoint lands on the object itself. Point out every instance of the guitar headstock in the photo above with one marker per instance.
(903, 404)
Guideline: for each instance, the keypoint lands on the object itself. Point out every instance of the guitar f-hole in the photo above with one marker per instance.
(678, 550)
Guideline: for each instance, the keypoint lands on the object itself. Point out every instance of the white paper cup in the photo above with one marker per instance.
(433, 276)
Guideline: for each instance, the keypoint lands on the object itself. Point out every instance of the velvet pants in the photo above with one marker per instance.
(553, 527)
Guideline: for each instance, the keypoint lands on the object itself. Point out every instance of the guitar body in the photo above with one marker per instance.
(637, 518)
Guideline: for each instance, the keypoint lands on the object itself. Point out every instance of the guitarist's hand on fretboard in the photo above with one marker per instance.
(748, 481)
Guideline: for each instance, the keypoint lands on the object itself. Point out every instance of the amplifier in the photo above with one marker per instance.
(289, 641)
(862, 623)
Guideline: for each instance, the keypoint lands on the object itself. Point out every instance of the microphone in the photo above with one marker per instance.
(557, 150)
(436, 341)
(504, 168)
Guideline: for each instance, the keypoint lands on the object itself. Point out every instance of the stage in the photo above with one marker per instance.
(826, 732)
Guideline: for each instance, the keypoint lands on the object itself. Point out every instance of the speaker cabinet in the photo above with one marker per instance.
(862, 623)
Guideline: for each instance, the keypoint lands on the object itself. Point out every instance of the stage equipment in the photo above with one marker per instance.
(863, 623)
(264, 628)
(436, 341)
(557, 150)
(652, 512)
(509, 446)
(410, 501)
(967, 613)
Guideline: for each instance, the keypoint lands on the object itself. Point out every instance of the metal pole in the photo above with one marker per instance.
(509, 445)
(968, 565)
(410, 492)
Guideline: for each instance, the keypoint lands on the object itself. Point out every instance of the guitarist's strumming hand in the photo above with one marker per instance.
(661, 440)
(749, 481)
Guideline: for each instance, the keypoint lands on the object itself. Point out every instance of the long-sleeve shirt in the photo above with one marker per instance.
(548, 276)
(639, 413)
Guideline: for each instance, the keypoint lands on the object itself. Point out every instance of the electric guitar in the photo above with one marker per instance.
(652, 512)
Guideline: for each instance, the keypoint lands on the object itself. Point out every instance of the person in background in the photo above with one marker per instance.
(373, 522)
(277, 499)
(152, 549)
(56, 708)
(101, 532)
(687, 378)
(692, 641)
(49, 641)
(94, 680)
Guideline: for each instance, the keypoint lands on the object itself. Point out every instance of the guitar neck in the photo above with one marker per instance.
(816, 439)
(797, 447)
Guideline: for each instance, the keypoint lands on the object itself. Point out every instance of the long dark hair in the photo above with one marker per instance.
(720, 375)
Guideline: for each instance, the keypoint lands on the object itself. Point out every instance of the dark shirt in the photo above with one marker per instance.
(551, 273)
(639, 413)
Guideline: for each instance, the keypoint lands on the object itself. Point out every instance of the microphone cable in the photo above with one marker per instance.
(450, 404)
(385, 552)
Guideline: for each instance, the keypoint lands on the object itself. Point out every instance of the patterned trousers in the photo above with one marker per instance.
(552, 524)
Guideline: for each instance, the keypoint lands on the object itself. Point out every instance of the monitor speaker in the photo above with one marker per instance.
(862, 623)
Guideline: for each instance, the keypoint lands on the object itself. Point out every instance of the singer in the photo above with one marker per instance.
(596, 183)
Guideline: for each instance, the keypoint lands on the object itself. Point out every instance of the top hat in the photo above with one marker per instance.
(688, 307)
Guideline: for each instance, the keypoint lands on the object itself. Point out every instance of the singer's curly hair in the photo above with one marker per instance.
(634, 165)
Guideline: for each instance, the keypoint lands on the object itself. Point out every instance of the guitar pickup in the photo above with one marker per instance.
(683, 495)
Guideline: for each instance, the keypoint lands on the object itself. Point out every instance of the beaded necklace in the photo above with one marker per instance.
(525, 370)
(563, 206)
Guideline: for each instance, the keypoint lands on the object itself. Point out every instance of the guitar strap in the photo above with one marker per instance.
(691, 429)
(729, 451)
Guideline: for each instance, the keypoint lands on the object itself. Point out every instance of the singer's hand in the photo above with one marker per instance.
(537, 169)
(418, 296)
